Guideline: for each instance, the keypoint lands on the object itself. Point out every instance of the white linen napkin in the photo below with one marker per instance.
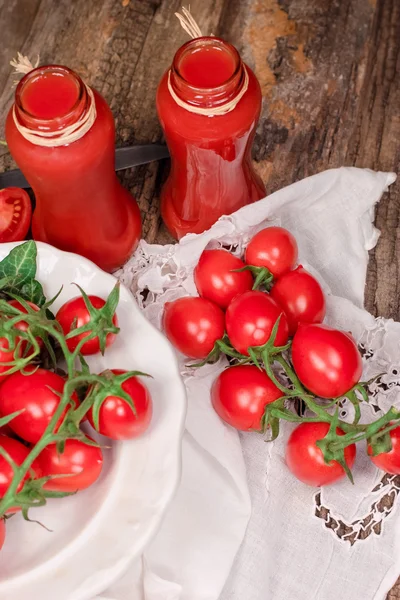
(299, 543)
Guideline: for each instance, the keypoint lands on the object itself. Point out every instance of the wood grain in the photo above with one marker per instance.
(329, 72)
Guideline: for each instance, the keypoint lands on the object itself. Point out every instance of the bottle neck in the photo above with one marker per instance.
(51, 99)
(207, 72)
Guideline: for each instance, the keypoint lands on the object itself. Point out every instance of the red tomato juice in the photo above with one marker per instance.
(207, 67)
(52, 95)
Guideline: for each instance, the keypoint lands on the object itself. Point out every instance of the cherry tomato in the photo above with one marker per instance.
(18, 453)
(23, 325)
(306, 460)
(117, 419)
(193, 325)
(2, 533)
(81, 462)
(250, 319)
(15, 214)
(7, 356)
(74, 314)
(274, 248)
(240, 394)
(326, 360)
(216, 279)
(389, 461)
(301, 297)
(36, 393)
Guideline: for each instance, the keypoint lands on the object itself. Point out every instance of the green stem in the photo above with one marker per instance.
(268, 368)
(368, 431)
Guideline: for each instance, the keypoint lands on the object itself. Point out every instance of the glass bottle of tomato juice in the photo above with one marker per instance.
(208, 104)
(80, 204)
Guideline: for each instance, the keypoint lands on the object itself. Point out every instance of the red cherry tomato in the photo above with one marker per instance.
(36, 393)
(2, 533)
(326, 360)
(15, 214)
(23, 325)
(83, 464)
(7, 356)
(74, 314)
(216, 279)
(306, 460)
(18, 453)
(274, 248)
(250, 319)
(193, 325)
(301, 297)
(389, 461)
(240, 394)
(117, 419)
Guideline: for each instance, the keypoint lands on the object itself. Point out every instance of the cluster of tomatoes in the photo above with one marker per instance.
(280, 326)
(118, 405)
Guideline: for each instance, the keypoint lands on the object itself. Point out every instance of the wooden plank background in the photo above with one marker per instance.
(329, 71)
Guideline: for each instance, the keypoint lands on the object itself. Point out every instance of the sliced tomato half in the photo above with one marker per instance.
(15, 214)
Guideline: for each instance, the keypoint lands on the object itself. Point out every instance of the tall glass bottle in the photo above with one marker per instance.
(208, 104)
(80, 204)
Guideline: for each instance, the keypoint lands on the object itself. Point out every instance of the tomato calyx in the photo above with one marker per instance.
(212, 357)
(331, 447)
(21, 346)
(100, 324)
(34, 494)
(262, 276)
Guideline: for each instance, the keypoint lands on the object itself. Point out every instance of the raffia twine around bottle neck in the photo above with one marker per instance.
(189, 24)
(64, 136)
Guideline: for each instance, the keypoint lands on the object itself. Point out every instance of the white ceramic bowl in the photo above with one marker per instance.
(98, 532)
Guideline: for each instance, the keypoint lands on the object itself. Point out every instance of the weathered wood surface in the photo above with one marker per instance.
(329, 72)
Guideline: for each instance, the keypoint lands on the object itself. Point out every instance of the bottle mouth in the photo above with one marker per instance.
(207, 94)
(65, 117)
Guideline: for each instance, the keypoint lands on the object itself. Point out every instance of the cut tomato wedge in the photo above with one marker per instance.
(15, 214)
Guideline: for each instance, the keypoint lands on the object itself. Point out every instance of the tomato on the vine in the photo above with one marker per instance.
(274, 248)
(15, 214)
(81, 462)
(2, 532)
(23, 325)
(74, 314)
(7, 356)
(18, 453)
(217, 278)
(37, 393)
(301, 297)
(326, 360)
(193, 325)
(116, 417)
(240, 394)
(306, 460)
(389, 461)
(250, 319)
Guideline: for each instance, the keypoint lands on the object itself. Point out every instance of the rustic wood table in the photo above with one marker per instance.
(328, 69)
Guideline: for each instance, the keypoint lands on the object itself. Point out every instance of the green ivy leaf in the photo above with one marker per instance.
(20, 264)
(33, 291)
(18, 271)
